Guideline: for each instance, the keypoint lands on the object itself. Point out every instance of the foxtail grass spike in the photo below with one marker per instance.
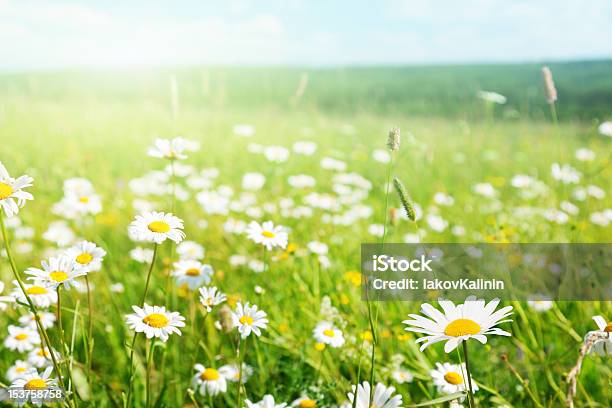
(404, 198)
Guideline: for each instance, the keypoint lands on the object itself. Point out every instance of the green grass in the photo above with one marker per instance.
(98, 125)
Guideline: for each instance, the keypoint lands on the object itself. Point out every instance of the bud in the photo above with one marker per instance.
(549, 85)
(393, 141)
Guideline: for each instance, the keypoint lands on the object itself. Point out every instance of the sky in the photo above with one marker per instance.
(48, 34)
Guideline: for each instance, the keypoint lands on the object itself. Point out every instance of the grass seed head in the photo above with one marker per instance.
(404, 198)
(393, 141)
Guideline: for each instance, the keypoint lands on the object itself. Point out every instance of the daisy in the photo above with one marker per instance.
(402, 376)
(304, 402)
(231, 372)
(34, 381)
(267, 234)
(210, 297)
(605, 128)
(304, 147)
(326, 333)
(382, 397)
(157, 227)
(142, 255)
(473, 319)
(56, 272)
(38, 293)
(74, 206)
(249, 319)
(46, 320)
(59, 233)
(449, 378)
(4, 300)
(276, 154)
(12, 198)
(540, 303)
(192, 273)
(190, 250)
(88, 255)
(208, 380)
(168, 148)
(603, 346)
(301, 181)
(21, 339)
(266, 402)
(253, 181)
(155, 321)
(18, 370)
(40, 357)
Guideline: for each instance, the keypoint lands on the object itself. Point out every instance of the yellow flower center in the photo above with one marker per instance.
(84, 258)
(84, 199)
(21, 369)
(307, 403)
(462, 327)
(192, 272)
(328, 332)
(159, 226)
(608, 328)
(21, 336)
(156, 320)
(268, 234)
(36, 290)
(5, 191)
(246, 320)
(42, 353)
(58, 276)
(210, 374)
(35, 384)
(319, 346)
(453, 378)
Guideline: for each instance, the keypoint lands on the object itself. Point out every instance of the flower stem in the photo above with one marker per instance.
(146, 290)
(148, 379)
(90, 344)
(469, 375)
(241, 355)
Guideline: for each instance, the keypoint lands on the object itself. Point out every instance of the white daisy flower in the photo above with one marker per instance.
(276, 154)
(266, 402)
(485, 190)
(208, 380)
(540, 303)
(585, 154)
(317, 247)
(402, 376)
(210, 297)
(12, 196)
(34, 381)
(190, 250)
(304, 147)
(267, 234)
(304, 402)
(40, 357)
(603, 346)
(473, 319)
(157, 227)
(21, 338)
(253, 181)
(142, 255)
(382, 397)
(450, 378)
(4, 300)
(192, 273)
(59, 233)
(88, 255)
(301, 181)
(231, 372)
(329, 163)
(605, 128)
(249, 319)
(565, 173)
(18, 370)
(326, 333)
(46, 319)
(169, 148)
(75, 206)
(38, 292)
(155, 321)
(56, 272)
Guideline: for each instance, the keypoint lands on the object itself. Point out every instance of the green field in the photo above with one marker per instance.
(98, 125)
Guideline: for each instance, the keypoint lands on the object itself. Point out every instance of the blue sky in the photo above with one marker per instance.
(37, 34)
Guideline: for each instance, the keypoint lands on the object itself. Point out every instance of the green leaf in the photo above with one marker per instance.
(450, 397)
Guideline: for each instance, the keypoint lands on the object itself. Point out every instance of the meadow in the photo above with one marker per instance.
(459, 159)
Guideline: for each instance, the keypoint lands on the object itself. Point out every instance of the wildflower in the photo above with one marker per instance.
(301, 181)
(305, 147)
(18, 370)
(59, 233)
(41, 357)
(382, 396)
(540, 303)
(244, 130)
(192, 273)
(473, 319)
(171, 149)
(38, 292)
(267, 234)
(4, 300)
(585, 154)
(326, 333)
(402, 376)
(549, 85)
(34, 381)
(56, 272)
(381, 156)
(329, 163)
(155, 321)
(602, 346)
(208, 380)
(142, 255)
(266, 402)
(565, 173)
(253, 181)
(231, 372)
(46, 320)
(493, 97)
(88, 255)
(276, 154)
(249, 319)
(210, 297)
(485, 190)
(605, 128)
(157, 227)
(12, 196)
(190, 250)
(21, 339)
(304, 402)
(449, 378)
